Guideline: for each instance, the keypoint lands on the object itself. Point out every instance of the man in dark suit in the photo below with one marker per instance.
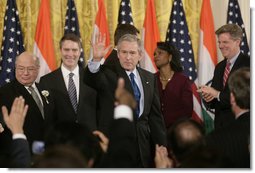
(27, 67)
(229, 40)
(234, 141)
(110, 62)
(150, 128)
(73, 100)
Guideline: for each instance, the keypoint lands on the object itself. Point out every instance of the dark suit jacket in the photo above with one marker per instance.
(112, 59)
(150, 128)
(233, 141)
(121, 148)
(62, 107)
(223, 113)
(34, 122)
(20, 153)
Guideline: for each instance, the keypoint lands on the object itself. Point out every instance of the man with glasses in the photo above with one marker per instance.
(27, 68)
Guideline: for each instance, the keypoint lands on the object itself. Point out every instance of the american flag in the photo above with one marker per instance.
(178, 35)
(72, 25)
(125, 13)
(12, 44)
(235, 16)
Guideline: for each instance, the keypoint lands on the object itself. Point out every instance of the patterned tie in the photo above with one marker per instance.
(72, 92)
(136, 93)
(36, 99)
(226, 73)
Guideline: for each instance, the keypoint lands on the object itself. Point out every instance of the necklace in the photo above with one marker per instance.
(171, 75)
(164, 79)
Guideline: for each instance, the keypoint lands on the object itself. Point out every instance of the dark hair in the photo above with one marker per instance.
(60, 156)
(72, 37)
(172, 50)
(239, 85)
(76, 135)
(123, 29)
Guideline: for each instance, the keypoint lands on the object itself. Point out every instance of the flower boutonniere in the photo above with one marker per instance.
(46, 93)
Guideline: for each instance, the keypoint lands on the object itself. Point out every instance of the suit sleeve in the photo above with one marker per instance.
(20, 153)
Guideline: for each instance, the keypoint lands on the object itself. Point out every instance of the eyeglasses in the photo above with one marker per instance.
(22, 69)
(125, 53)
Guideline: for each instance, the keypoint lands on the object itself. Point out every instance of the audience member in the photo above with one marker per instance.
(233, 141)
(73, 100)
(149, 123)
(61, 156)
(26, 71)
(174, 88)
(183, 137)
(78, 136)
(218, 95)
(20, 156)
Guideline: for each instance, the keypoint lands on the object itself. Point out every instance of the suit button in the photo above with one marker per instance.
(76, 121)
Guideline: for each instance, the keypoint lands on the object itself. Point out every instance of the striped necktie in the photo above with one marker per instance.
(226, 73)
(72, 92)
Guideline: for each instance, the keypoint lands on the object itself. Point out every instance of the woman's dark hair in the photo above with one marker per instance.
(171, 49)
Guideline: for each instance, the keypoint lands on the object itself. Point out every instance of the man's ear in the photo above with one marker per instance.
(232, 99)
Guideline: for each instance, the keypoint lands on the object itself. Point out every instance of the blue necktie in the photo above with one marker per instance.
(136, 93)
(72, 92)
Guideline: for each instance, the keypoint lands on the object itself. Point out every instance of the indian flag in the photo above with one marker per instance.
(43, 46)
(101, 27)
(150, 37)
(207, 56)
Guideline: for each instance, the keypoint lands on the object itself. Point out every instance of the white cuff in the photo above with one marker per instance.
(93, 66)
(19, 136)
(218, 96)
(123, 111)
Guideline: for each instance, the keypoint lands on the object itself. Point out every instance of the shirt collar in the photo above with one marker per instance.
(134, 71)
(66, 72)
(233, 60)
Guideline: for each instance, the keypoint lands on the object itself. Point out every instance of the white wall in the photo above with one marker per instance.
(220, 8)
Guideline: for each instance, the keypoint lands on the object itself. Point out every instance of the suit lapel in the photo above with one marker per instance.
(60, 82)
(27, 96)
(237, 63)
(82, 89)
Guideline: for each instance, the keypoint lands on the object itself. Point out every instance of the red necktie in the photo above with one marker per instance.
(226, 73)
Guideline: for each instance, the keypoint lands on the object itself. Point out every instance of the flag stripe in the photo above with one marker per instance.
(150, 37)
(43, 46)
(101, 27)
(207, 26)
